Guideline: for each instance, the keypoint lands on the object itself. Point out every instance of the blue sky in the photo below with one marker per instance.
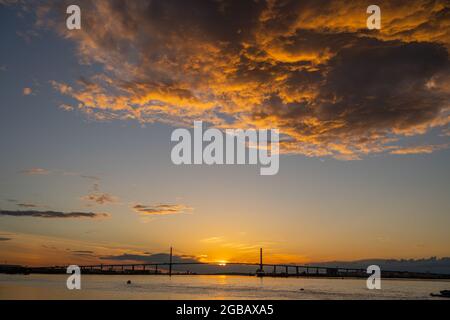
(317, 208)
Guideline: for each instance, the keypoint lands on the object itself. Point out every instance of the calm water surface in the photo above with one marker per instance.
(210, 287)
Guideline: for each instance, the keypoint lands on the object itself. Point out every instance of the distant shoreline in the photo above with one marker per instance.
(17, 270)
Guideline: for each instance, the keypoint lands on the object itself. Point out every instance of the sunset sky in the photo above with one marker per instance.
(86, 118)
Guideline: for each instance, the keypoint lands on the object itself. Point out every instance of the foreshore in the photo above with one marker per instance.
(8, 269)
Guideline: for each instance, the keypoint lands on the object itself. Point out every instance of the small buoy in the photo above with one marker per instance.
(129, 282)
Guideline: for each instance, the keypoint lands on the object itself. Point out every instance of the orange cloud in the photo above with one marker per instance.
(27, 91)
(420, 149)
(161, 209)
(309, 68)
(100, 198)
(35, 171)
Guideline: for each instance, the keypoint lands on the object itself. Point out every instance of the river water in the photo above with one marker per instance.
(210, 287)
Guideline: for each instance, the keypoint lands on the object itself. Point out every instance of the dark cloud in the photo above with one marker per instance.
(52, 214)
(5, 239)
(431, 265)
(371, 92)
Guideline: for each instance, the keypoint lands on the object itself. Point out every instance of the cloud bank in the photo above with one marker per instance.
(432, 265)
(52, 214)
(310, 68)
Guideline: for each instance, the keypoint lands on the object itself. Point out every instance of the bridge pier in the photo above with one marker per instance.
(170, 263)
(260, 259)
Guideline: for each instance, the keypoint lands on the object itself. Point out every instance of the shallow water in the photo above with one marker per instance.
(210, 287)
